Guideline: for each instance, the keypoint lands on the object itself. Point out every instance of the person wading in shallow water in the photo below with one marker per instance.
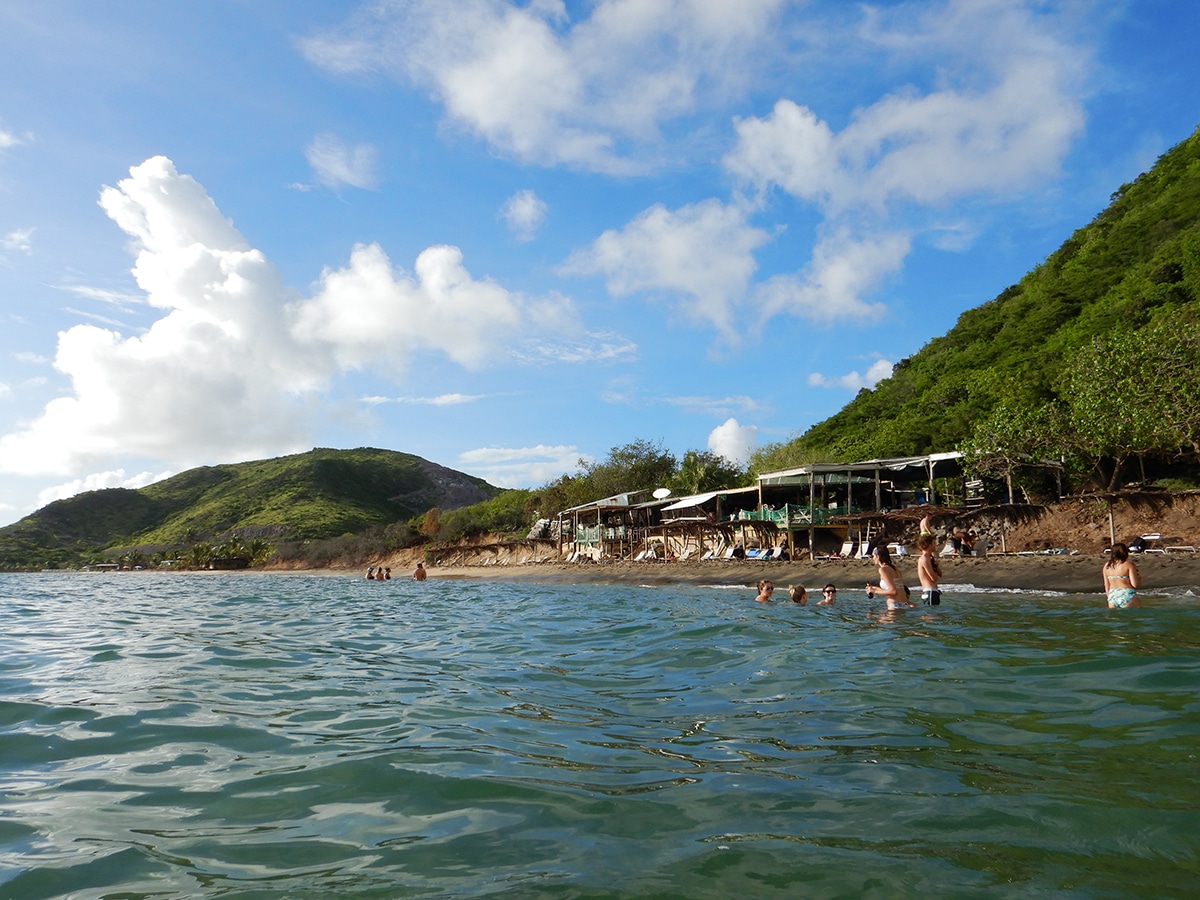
(891, 585)
(1121, 577)
(929, 570)
(420, 574)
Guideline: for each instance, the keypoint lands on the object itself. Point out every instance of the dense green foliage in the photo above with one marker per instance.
(1134, 268)
(639, 465)
(318, 495)
(506, 515)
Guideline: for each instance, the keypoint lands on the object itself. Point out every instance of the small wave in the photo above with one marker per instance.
(975, 589)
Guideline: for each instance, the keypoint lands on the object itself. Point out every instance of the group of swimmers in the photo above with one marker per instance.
(890, 586)
(798, 593)
(1121, 579)
(384, 573)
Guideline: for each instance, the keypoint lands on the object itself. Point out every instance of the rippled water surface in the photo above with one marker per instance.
(295, 736)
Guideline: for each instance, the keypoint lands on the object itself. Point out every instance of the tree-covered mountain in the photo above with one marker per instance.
(319, 494)
(1077, 345)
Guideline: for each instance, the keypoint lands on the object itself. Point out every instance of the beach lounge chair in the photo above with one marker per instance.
(1152, 542)
(847, 550)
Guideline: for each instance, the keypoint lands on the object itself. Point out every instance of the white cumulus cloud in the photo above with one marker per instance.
(1000, 116)
(702, 254)
(843, 269)
(591, 93)
(733, 440)
(236, 365)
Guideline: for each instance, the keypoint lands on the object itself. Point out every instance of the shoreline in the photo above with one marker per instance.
(1077, 574)
(1068, 574)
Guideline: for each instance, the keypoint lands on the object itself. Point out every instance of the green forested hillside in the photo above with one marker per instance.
(319, 494)
(1134, 270)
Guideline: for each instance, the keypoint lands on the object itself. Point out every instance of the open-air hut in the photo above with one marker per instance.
(693, 525)
(811, 502)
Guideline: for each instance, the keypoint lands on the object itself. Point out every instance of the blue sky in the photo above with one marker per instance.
(504, 236)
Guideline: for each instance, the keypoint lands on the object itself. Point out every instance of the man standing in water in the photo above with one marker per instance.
(420, 574)
(929, 570)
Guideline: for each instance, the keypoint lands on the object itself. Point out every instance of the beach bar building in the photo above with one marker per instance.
(651, 525)
(800, 511)
(808, 501)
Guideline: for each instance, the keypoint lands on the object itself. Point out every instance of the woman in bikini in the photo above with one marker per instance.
(891, 585)
(1121, 578)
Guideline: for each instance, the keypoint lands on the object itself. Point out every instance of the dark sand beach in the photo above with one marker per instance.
(1078, 573)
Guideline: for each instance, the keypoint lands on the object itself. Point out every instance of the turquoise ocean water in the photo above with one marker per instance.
(243, 735)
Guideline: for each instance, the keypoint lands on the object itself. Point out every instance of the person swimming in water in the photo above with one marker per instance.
(798, 594)
(1121, 579)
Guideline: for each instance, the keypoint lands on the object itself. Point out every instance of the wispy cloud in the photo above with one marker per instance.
(122, 300)
(19, 240)
(337, 164)
(716, 405)
(854, 381)
(440, 400)
(591, 347)
(9, 139)
(521, 466)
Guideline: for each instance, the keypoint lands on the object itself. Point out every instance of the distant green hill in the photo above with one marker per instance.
(1136, 265)
(319, 494)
